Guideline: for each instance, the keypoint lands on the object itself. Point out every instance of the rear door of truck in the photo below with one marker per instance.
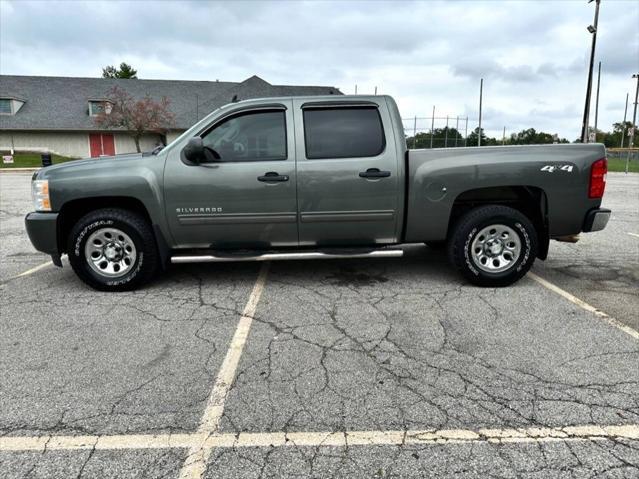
(348, 178)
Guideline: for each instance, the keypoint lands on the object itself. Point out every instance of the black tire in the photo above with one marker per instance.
(467, 229)
(138, 230)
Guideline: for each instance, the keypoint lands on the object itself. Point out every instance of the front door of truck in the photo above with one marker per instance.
(244, 195)
(347, 173)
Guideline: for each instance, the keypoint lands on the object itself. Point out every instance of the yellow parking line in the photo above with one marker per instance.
(588, 432)
(195, 464)
(583, 305)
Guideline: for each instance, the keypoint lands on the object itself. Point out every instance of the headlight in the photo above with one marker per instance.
(40, 195)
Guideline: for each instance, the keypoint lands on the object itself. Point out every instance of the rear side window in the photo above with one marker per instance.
(350, 132)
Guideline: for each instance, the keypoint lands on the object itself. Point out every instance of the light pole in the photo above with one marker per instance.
(631, 142)
(481, 91)
(597, 101)
(623, 125)
(593, 30)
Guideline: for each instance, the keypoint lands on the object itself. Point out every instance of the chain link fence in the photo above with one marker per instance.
(436, 132)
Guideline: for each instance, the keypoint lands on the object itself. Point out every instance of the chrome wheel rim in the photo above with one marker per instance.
(110, 252)
(496, 248)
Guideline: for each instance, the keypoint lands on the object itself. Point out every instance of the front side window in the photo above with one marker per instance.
(348, 132)
(251, 136)
(5, 106)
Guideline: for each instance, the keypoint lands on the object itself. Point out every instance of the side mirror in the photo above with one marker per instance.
(194, 151)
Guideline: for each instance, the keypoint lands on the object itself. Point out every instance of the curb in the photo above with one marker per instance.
(19, 170)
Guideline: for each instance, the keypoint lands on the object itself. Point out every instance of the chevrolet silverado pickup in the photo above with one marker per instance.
(313, 177)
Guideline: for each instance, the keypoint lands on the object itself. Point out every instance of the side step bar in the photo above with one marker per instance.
(208, 258)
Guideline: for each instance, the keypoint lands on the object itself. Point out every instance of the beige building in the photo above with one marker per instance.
(57, 114)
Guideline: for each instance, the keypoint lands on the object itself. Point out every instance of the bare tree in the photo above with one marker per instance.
(136, 117)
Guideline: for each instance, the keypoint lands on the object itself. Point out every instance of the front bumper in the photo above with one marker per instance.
(596, 220)
(42, 229)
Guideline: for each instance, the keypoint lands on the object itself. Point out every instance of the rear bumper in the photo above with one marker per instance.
(596, 220)
(42, 229)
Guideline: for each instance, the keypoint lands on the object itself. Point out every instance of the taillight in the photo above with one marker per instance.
(598, 172)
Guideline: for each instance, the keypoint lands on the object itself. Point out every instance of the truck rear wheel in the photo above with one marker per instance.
(113, 250)
(493, 245)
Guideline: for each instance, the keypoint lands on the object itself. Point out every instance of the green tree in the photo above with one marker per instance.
(613, 139)
(125, 71)
(442, 137)
(473, 138)
(530, 136)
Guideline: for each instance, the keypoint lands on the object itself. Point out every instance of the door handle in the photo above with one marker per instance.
(272, 176)
(374, 173)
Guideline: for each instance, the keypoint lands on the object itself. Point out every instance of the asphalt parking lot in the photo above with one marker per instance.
(345, 368)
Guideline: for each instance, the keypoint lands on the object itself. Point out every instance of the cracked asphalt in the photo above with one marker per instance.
(346, 345)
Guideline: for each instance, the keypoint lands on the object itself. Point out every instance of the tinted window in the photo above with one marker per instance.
(352, 132)
(247, 137)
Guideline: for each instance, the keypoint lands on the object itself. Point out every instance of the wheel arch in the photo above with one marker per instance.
(531, 201)
(73, 210)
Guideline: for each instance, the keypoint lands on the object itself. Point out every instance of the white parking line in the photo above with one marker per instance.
(582, 304)
(633, 234)
(33, 270)
(195, 464)
(589, 432)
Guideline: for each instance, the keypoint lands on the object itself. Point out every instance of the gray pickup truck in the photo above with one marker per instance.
(313, 177)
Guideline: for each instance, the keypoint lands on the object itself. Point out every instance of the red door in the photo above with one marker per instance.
(101, 144)
(95, 144)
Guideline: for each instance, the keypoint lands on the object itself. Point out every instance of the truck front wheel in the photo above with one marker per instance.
(113, 249)
(493, 245)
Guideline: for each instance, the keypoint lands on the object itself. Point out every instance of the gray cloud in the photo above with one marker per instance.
(532, 55)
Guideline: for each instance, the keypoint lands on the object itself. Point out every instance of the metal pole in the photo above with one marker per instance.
(631, 142)
(432, 127)
(466, 135)
(623, 125)
(503, 140)
(481, 89)
(415, 132)
(597, 100)
(375, 91)
(584, 122)
(446, 139)
(456, 131)
(356, 89)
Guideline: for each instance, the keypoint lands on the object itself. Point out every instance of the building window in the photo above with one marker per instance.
(5, 106)
(97, 107)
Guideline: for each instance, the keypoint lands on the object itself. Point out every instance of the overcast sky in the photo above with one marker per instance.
(533, 55)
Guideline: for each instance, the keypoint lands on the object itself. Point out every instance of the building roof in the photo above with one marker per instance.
(61, 103)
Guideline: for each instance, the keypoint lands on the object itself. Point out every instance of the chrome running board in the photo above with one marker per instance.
(209, 258)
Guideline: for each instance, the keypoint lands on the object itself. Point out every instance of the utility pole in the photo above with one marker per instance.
(481, 91)
(631, 142)
(623, 125)
(503, 138)
(456, 130)
(415, 132)
(466, 134)
(597, 101)
(432, 127)
(356, 88)
(593, 30)
(446, 138)
(375, 91)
